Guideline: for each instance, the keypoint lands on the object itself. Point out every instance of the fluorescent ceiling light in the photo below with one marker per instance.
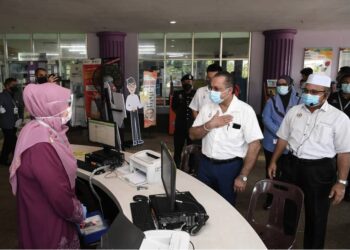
(77, 50)
(172, 22)
(146, 45)
(73, 46)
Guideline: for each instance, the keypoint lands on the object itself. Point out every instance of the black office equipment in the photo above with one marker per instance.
(174, 210)
(187, 213)
(142, 215)
(104, 133)
(88, 167)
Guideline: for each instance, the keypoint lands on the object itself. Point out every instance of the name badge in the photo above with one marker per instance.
(15, 110)
(274, 141)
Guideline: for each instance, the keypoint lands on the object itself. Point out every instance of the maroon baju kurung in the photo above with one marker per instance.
(48, 209)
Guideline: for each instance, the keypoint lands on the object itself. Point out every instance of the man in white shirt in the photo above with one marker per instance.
(230, 132)
(202, 94)
(315, 133)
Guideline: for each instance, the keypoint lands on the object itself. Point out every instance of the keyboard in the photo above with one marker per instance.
(142, 215)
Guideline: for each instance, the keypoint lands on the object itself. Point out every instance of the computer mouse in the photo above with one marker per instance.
(140, 198)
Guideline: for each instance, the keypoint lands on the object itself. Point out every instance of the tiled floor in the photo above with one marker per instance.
(339, 217)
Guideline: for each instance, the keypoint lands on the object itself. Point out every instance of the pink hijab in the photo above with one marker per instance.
(45, 102)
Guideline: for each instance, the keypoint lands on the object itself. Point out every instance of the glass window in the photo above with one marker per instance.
(151, 46)
(229, 48)
(200, 70)
(179, 45)
(46, 43)
(235, 45)
(207, 45)
(73, 46)
(2, 61)
(239, 68)
(18, 43)
(175, 69)
(1, 48)
(153, 66)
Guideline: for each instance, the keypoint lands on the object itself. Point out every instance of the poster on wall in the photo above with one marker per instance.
(148, 98)
(344, 57)
(319, 59)
(93, 103)
(77, 88)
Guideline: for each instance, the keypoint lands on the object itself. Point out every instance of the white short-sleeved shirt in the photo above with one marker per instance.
(200, 99)
(231, 140)
(323, 133)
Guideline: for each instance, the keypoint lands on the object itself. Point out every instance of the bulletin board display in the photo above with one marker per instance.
(319, 59)
(344, 57)
(269, 88)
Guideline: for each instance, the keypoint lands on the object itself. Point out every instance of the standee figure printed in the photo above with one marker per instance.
(133, 104)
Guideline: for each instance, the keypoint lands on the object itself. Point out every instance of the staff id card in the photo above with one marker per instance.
(15, 110)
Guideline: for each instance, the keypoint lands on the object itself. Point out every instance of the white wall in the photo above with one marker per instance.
(131, 55)
(256, 70)
(304, 39)
(93, 46)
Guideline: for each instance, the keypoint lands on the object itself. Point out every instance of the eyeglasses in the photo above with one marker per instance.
(312, 91)
(216, 89)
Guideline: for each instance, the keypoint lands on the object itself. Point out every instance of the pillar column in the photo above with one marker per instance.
(112, 45)
(278, 53)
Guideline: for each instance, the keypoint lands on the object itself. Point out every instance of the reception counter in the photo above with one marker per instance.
(225, 228)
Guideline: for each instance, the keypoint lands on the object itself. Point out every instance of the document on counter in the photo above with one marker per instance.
(135, 178)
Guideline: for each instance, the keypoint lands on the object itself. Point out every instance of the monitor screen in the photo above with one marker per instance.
(168, 174)
(102, 132)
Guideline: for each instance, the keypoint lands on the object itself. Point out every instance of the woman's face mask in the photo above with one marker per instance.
(67, 115)
(41, 79)
(345, 87)
(282, 90)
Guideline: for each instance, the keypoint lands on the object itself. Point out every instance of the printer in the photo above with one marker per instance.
(147, 162)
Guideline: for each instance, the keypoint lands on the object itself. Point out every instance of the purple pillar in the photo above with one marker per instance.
(278, 53)
(112, 45)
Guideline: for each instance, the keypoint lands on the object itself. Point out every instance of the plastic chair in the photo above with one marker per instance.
(194, 150)
(279, 231)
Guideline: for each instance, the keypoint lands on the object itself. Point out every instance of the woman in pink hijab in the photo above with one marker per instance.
(43, 172)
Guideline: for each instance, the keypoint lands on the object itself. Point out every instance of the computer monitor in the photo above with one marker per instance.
(103, 133)
(168, 172)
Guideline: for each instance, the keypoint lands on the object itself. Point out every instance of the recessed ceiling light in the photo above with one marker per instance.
(172, 22)
(172, 46)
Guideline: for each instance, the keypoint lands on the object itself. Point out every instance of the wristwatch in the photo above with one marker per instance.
(344, 182)
(243, 178)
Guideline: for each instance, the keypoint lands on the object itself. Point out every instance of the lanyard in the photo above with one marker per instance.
(341, 104)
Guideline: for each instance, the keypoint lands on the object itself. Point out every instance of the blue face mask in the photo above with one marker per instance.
(215, 96)
(345, 87)
(310, 100)
(282, 90)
